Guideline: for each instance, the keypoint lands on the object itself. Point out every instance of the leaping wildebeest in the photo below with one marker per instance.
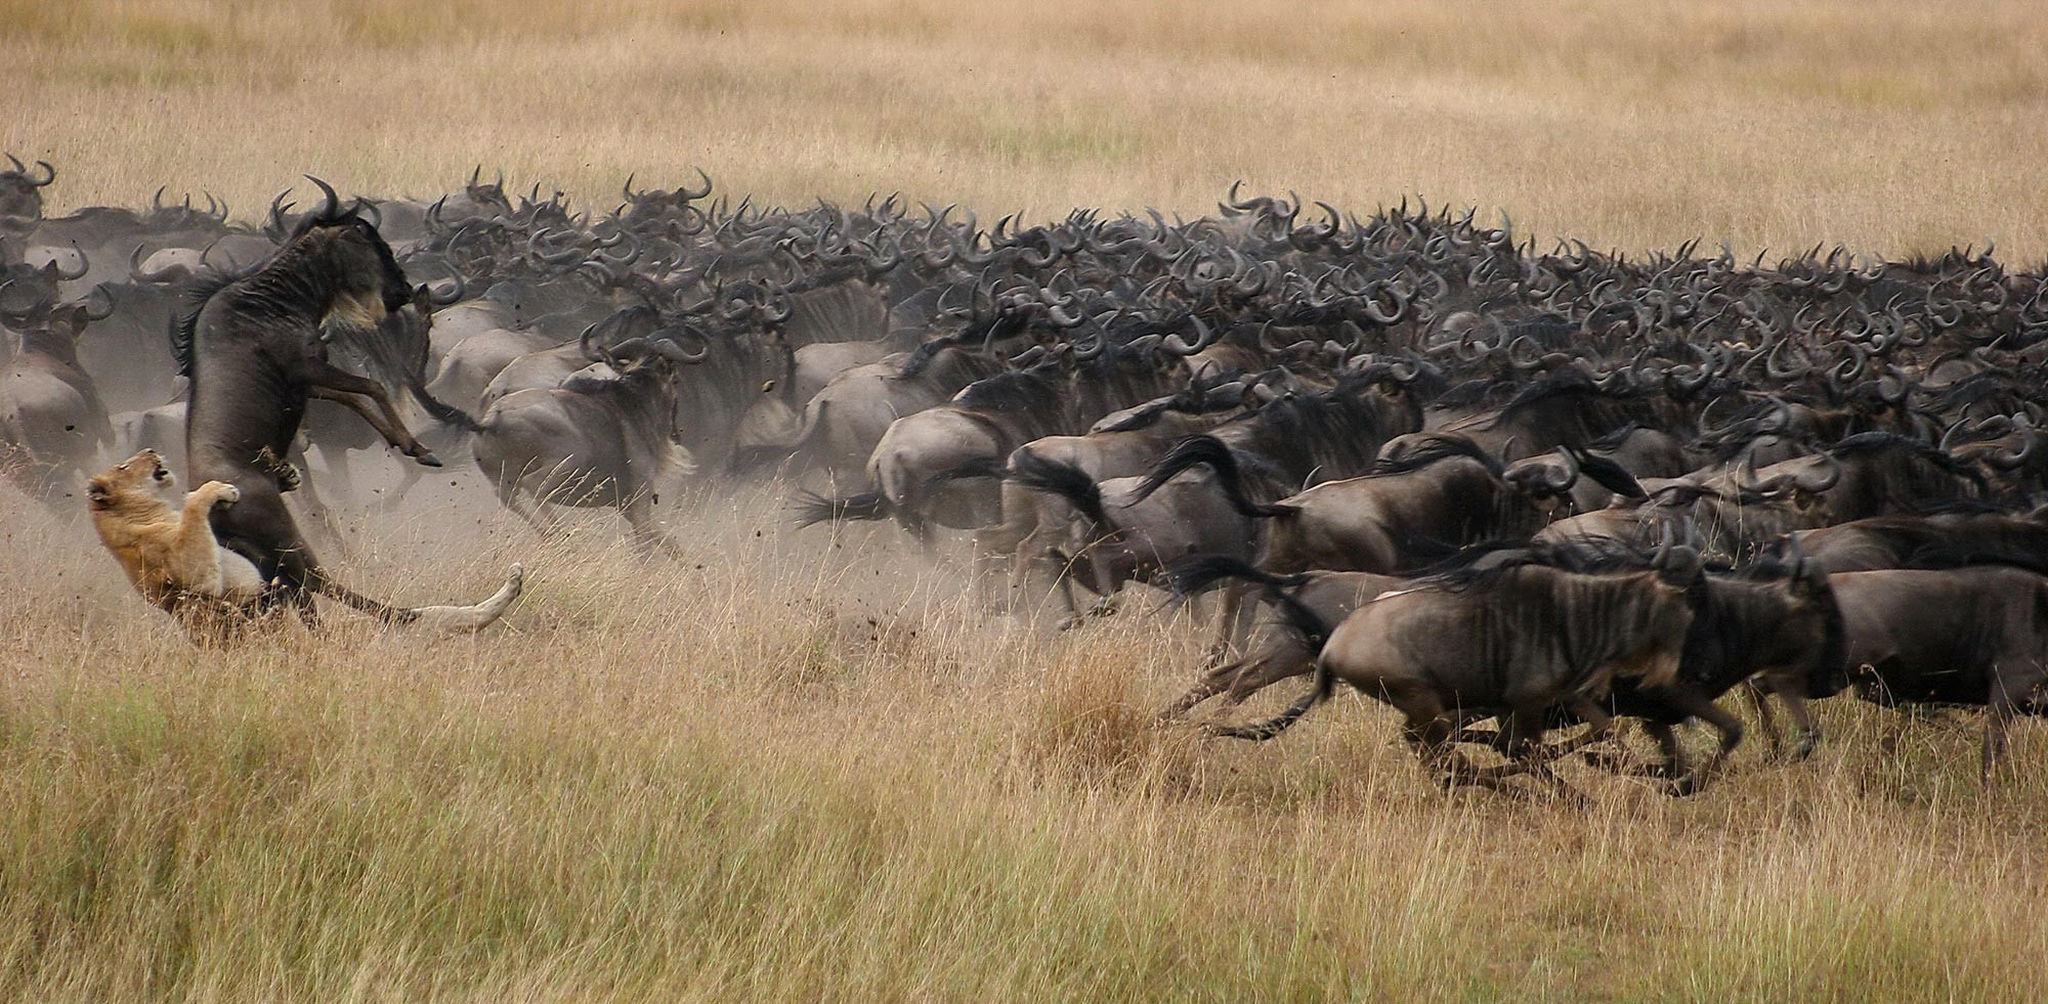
(255, 350)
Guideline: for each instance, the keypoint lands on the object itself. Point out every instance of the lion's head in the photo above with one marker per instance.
(140, 476)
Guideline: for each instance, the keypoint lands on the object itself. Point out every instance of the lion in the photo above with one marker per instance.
(167, 546)
(168, 550)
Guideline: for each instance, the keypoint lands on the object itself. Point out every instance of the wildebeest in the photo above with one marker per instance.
(988, 420)
(50, 411)
(1516, 641)
(254, 348)
(21, 193)
(597, 440)
(1972, 636)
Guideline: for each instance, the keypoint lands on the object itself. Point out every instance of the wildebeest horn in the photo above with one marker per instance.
(457, 288)
(1996, 425)
(1560, 485)
(156, 201)
(691, 195)
(376, 214)
(19, 167)
(330, 208)
(668, 349)
(1204, 337)
(84, 266)
(1823, 482)
(583, 343)
(1029, 357)
(1369, 304)
(106, 296)
(2030, 443)
(49, 173)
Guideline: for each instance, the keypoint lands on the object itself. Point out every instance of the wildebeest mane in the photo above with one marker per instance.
(1430, 449)
(191, 300)
(1471, 393)
(1020, 390)
(1001, 326)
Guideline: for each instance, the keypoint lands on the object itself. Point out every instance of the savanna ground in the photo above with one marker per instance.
(811, 768)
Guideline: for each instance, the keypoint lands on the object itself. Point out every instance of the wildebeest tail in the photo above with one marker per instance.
(1065, 480)
(1197, 574)
(1195, 451)
(1609, 475)
(812, 507)
(1202, 572)
(356, 601)
(979, 467)
(1326, 683)
(443, 412)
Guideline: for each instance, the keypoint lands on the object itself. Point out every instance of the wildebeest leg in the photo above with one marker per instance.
(1209, 686)
(1433, 736)
(1728, 725)
(1997, 721)
(330, 383)
(648, 535)
(1239, 680)
(1790, 690)
(1599, 729)
(1758, 691)
(526, 509)
(1234, 614)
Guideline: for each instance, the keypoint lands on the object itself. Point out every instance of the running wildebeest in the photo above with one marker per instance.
(255, 350)
(1517, 641)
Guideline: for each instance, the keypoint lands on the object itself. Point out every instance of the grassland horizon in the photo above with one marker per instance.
(1889, 128)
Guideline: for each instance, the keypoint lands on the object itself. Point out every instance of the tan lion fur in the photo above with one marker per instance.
(169, 551)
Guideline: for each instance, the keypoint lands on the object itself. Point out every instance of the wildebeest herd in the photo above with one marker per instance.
(1470, 478)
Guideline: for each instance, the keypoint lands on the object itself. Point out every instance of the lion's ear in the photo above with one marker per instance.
(98, 495)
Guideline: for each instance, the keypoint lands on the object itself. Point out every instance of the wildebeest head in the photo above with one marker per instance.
(355, 258)
(21, 190)
(1779, 612)
(57, 334)
(28, 294)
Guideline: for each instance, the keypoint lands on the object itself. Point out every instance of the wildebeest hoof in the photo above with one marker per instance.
(428, 459)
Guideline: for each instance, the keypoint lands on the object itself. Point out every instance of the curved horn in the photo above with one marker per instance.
(84, 266)
(2030, 444)
(669, 350)
(330, 208)
(1204, 337)
(106, 296)
(1823, 482)
(1560, 485)
(49, 173)
(692, 195)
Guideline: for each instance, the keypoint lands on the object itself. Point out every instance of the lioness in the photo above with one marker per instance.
(174, 560)
(169, 551)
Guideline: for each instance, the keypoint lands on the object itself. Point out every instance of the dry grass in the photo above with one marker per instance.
(1889, 126)
(808, 769)
(812, 771)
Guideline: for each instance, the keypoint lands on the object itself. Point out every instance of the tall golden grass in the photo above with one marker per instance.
(1888, 126)
(811, 769)
(803, 766)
